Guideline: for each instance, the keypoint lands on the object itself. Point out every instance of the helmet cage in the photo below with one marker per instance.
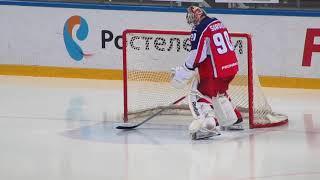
(194, 14)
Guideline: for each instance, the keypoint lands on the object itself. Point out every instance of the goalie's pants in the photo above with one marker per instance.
(211, 87)
(208, 84)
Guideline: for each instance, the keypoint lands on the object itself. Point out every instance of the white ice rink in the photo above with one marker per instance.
(61, 129)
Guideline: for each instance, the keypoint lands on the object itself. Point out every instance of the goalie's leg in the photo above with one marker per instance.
(228, 116)
(204, 123)
(238, 125)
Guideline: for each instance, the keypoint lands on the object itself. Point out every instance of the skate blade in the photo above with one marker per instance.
(204, 135)
(232, 128)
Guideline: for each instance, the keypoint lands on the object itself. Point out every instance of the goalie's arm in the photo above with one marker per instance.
(183, 74)
(199, 49)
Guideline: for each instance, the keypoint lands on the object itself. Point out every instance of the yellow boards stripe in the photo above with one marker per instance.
(111, 74)
(48, 71)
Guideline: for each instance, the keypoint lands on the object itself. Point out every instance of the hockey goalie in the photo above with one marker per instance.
(212, 64)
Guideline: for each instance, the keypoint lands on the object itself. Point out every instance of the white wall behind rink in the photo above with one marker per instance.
(34, 36)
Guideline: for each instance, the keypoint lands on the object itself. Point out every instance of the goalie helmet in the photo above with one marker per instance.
(194, 15)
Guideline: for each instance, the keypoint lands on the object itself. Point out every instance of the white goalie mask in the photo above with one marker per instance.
(194, 15)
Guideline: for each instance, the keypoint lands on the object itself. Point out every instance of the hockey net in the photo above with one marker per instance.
(149, 55)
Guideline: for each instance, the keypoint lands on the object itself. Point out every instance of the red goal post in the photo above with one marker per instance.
(148, 56)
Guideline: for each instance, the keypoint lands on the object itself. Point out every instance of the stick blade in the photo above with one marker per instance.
(126, 126)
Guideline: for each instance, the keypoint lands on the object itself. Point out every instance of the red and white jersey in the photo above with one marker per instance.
(210, 41)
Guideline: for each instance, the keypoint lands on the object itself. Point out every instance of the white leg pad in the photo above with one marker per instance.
(203, 115)
(207, 124)
(204, 123)
(203, 129)
(224, 111)
(195, 126)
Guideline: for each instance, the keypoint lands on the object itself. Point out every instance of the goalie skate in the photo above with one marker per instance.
(204, 134)
(237, 126)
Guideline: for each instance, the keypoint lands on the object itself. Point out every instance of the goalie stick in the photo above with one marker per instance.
(133, 126)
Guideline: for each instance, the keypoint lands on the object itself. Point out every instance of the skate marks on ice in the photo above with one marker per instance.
(156, 134)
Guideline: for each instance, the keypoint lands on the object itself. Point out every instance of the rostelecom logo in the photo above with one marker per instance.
(74, 50)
